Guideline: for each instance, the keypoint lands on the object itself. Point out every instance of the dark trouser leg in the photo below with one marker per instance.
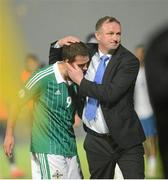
(131, 163)
(101, 157)
(163, 147)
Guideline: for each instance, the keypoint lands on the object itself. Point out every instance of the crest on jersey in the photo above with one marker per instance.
(57, 175)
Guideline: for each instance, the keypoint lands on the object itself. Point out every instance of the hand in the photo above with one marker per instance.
(77, 120)
(8, 145)
(75, 73)
(68, 40)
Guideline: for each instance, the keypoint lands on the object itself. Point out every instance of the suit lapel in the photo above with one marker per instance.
(94, 48)
(112, 63)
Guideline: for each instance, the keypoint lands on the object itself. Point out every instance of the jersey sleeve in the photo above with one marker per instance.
(30, 90)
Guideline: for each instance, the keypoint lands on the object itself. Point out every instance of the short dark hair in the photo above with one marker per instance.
(105, 19)
(140, 46)
(73, 50)
(32, 56)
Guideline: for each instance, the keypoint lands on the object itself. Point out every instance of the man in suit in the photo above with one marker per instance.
(114, 133)
(156, 66)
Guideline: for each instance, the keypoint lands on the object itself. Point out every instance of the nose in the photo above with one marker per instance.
(115, 37)
(85, 67)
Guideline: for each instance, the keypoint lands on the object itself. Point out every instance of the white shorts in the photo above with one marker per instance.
(50, 166)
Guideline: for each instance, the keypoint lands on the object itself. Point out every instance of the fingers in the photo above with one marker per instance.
(8, 150)
(68, 40)
(72, 67)
(8, 147)
(76, 66)
(75, 73)
(72, 39)
(69, 67)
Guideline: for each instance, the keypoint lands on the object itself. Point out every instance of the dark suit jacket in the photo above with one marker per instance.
(115, 95)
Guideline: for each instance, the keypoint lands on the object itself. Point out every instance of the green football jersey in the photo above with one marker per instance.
(53, 112)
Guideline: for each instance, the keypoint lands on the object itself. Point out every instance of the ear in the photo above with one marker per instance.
(66, 60)
(97, 35)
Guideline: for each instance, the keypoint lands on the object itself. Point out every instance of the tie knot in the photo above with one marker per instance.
(104, 58)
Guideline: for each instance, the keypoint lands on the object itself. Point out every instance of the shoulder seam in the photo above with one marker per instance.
(38, 76)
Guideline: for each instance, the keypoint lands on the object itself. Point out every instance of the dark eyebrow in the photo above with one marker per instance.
(118, 33)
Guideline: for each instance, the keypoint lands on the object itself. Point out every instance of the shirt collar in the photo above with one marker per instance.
(58, 75)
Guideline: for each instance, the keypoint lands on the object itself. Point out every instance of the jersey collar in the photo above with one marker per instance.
(58, 75)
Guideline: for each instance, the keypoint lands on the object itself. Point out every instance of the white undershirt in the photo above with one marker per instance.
(98, 124)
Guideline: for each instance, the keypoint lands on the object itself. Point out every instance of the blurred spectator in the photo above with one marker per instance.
(156, 66)
(90, 38)
(145, 113)
(15, 171)
(31, 65)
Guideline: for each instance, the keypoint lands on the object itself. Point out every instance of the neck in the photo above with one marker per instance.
(105, 51)
(63, 70)
(141, 63)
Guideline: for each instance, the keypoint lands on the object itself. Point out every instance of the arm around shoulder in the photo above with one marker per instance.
(55, 54)
(113, 90)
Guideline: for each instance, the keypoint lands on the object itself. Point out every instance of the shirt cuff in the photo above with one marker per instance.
(56, 45)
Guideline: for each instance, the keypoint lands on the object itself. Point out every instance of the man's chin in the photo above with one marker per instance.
(114, 46)
(112, 49)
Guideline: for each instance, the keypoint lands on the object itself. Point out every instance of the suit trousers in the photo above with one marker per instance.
(103, 154)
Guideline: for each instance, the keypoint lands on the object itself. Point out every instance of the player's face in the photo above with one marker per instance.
(32, 64)
(81, 62)
(109, 36)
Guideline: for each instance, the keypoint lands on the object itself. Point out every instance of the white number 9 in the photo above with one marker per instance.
(69, 101)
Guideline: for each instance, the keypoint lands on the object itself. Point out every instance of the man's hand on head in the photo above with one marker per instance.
(68, 40)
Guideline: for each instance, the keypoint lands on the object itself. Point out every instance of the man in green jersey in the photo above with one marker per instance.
(53, 145)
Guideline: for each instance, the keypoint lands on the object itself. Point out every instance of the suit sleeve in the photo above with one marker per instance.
(55, 54)
(113, 91)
